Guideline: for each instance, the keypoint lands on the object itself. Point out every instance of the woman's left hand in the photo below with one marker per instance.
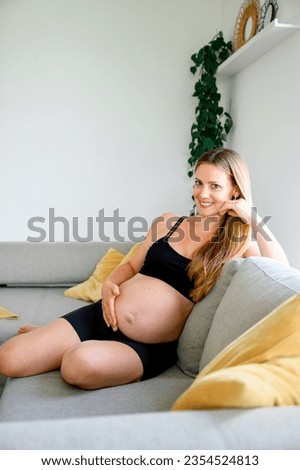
(237, 208)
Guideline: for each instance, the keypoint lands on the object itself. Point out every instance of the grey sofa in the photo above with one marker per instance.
(43, 412)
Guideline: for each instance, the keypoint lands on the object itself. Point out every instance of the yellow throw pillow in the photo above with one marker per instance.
(90, 290)
(7, 314)
(130, 253)
(260, 368)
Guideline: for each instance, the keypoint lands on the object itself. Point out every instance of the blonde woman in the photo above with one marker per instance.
(132, 333)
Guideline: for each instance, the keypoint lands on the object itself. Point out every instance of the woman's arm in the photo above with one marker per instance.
(110, 288)
(265, 243)
(124, 272)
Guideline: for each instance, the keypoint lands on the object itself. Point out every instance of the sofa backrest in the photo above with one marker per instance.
(57, 263)
(258, 287)
(246, 291)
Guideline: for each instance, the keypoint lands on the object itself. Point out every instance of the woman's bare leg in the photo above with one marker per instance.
(98, 364)
(37, 351)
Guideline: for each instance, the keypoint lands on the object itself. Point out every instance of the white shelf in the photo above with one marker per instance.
(261, 43)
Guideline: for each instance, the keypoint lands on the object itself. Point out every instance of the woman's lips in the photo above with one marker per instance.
(206, 204)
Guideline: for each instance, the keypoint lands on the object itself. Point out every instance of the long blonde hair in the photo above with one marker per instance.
(232, 237)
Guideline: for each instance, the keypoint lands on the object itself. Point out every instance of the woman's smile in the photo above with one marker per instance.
(206, 203)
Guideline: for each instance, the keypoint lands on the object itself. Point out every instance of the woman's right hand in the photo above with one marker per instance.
(110, 291)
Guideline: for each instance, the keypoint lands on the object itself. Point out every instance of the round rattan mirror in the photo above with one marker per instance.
(246, 23)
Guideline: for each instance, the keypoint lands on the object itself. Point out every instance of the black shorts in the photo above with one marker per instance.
(88, 322)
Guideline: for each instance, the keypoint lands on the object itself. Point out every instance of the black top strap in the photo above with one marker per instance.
(177, 223)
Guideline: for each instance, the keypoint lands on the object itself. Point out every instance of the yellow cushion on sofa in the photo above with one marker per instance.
(90, 290)
(130, 253)
(7, 314)
(260, 368)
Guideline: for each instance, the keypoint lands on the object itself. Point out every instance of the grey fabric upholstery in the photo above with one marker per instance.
(192, 339)
(47, 396)
(260, 285)
(264, 428)
(37, 305)
(52, 263)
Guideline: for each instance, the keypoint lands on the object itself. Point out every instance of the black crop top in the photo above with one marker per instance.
(164, 263)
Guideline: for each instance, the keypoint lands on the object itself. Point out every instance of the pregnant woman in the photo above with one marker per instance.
(131, 334)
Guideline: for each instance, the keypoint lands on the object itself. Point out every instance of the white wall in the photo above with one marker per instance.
(265, 106)
(96, 108)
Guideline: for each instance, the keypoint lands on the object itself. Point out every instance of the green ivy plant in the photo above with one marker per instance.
(212, 123)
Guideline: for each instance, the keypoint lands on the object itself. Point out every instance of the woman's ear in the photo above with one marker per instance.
(236, 193)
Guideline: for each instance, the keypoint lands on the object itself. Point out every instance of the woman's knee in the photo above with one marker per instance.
(9, 363)
(91, 366)
(76, 367)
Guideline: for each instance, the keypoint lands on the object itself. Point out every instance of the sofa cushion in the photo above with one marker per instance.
(260, 368)
(37, 305)
(48, 396)
(193, 336)
(259, 286)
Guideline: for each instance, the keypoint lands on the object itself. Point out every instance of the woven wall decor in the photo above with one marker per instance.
(268, 13)
(249, 11)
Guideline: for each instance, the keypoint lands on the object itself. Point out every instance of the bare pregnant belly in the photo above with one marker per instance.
(151, 311)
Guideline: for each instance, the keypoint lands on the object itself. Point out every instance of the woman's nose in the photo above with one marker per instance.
(204, 192)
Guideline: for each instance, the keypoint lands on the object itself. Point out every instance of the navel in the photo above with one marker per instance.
(130, 317)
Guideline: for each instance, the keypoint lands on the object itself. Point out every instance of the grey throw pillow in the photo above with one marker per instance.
(194, 334)
(259, 286)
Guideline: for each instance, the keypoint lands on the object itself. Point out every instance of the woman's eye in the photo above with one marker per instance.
(197, 183)
(215, 186)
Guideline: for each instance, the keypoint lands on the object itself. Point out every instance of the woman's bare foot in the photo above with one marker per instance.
(26, 328)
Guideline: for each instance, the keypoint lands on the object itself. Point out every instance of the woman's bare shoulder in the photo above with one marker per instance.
(162, 224)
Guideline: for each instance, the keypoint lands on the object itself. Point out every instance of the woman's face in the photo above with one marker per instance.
(212, 188)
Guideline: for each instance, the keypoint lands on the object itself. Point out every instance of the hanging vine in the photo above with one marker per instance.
(212, 123)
